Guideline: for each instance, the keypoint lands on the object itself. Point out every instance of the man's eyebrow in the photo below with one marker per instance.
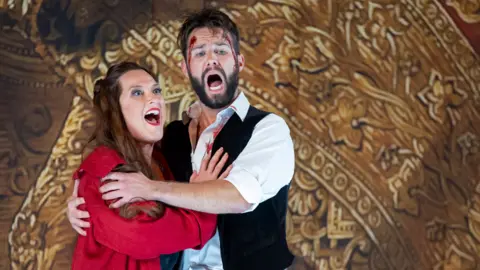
(222, 43)
(198, 47)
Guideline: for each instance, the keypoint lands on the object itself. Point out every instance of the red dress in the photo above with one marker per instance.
(113, 242)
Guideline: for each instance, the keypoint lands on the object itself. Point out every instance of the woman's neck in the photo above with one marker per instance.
(147, 150)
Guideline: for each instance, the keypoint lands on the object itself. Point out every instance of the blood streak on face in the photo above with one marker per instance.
(190, 46)
(233, 50)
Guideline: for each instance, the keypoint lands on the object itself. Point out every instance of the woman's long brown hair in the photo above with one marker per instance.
(111, 131)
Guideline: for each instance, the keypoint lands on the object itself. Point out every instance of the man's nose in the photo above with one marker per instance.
(212, 62)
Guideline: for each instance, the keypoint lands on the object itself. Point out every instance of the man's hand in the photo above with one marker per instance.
(210, 168)
(74, 215)
(127, 187)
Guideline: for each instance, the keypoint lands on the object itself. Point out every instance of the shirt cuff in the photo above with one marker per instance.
(248, 186)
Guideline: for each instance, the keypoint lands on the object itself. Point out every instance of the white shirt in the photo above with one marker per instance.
(259, 172)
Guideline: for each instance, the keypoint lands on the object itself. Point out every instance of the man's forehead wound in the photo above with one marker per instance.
(212, 33)
(224, 34)
(230, 43)
(193, 39)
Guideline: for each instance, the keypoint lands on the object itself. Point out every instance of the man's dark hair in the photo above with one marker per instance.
(210, 18)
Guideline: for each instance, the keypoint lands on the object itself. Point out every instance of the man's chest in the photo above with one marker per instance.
(203, 144)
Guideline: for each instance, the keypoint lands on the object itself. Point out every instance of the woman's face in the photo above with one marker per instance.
(142, 105)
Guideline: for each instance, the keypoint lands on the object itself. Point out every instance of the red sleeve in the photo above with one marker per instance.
(144, 238)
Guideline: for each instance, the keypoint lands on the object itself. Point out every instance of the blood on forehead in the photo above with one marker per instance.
(190, 46)
(230, 43)
(193, 40)
(226, 36)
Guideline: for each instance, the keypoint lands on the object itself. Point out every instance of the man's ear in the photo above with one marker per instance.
(241, 62)
(184, 68)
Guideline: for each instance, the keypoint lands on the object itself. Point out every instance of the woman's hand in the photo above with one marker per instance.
(76, 216)
(211, 168)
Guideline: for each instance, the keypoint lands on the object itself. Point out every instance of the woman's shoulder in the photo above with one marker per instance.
(159, 158)
(100, 161)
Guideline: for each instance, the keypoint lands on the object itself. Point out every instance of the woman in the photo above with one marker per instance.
(130, 117)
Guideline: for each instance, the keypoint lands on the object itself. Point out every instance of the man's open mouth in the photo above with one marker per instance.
(214, 82)
(153, 117)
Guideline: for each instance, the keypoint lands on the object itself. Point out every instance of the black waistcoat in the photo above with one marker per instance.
(249, 241)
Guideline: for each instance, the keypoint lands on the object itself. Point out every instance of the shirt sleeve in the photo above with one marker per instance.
(267, 162)
(177, 230)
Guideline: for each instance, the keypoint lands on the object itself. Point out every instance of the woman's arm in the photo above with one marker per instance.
(177, 230)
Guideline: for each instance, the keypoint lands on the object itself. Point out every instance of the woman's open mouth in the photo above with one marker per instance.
(152, 117)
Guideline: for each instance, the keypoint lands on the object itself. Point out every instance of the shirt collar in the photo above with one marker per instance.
(240, 106)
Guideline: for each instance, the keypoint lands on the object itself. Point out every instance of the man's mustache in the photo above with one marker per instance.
(217, 68)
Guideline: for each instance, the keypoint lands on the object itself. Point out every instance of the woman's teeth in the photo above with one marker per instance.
(153, 117)
(153, 113)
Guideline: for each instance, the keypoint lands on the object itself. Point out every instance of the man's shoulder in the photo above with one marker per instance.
(175, 124)
(175, 135)
(175, 127)
(267, 116)
(273, 121)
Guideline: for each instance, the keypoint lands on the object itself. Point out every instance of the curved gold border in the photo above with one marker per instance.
(349, 198)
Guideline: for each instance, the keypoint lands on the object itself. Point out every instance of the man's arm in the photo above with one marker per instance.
(260, 171)
(201, 194)
(216, 196)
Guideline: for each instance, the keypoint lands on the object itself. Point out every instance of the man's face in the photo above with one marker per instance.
(213, 66)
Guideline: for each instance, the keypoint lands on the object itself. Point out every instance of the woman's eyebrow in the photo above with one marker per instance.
(135, 86)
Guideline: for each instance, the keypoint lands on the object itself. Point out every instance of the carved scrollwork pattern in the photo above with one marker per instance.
(468, 10)
(382, 98)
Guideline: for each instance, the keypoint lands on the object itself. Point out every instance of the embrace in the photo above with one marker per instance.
(209, 192)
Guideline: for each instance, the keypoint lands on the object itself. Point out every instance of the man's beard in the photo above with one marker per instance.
(219, 100)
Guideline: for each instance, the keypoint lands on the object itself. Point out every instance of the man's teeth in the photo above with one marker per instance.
(216, 87)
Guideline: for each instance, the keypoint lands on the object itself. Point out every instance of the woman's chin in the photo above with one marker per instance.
(148, 134)
(153, 139)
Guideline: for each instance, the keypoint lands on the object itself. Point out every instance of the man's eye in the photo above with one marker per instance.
(200, 54)
(137, 92)
(222, 52)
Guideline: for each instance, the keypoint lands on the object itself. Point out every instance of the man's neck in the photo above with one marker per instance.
(209, 115)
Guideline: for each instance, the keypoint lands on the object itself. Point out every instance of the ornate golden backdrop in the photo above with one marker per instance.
(382, 97)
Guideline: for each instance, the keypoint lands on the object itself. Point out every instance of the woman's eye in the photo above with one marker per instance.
(137, 92)
(157, 91)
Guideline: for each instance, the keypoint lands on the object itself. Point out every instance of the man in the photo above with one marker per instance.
(251, 201)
